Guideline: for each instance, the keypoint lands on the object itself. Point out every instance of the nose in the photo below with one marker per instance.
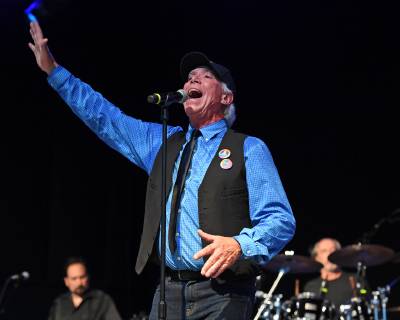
(194, 79)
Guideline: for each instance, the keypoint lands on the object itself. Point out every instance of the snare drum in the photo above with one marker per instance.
(309, 306)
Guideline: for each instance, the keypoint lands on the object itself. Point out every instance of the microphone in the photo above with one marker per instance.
(168, 98)
(324, 288)
(24, 275)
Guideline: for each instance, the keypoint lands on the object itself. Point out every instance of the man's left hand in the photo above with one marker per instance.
(223, 252)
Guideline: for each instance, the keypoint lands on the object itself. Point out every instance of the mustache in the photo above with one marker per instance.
(81, 289)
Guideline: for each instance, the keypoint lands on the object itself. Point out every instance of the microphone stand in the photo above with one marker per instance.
(3, 300)
(393, 217)
(3, 294)
(268, 296)
(162, 306)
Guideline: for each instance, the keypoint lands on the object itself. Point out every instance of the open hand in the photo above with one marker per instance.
(223, 252)
(44, 58)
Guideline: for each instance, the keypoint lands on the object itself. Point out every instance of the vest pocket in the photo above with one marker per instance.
(152, 185)
(233, 192)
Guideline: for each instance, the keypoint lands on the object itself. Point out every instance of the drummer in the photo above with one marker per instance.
(333, 283)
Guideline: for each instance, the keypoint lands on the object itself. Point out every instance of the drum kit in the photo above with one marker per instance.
(311, 306)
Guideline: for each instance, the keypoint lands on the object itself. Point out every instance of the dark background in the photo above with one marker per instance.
(317, 81)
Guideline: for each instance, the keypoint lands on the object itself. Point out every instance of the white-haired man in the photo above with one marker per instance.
(333, 283)
(226, 210)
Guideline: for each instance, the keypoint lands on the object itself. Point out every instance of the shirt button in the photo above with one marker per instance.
(248, 251)
(177, 234)
(178, 258)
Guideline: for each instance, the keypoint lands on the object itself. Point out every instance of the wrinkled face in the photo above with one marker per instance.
(206, 96)
(324, 248)
(77, 280)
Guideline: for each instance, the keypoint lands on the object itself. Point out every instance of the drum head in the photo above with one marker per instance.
(309, 306)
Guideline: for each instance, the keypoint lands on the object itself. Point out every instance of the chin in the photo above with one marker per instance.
(80, 291)
(190, 110)
(333, 268)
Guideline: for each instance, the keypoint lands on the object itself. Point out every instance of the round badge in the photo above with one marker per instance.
(226, 164)
(224, 153)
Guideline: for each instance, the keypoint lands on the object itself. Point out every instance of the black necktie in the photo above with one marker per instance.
(179, 185)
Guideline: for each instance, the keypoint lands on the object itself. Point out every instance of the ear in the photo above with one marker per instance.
(227, 99)
(66, 281)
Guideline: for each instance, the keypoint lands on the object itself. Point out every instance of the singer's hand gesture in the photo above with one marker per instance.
(44, 58)
(223, 252)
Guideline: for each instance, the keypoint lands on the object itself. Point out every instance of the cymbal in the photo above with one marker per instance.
(367, 254)
(293, 264)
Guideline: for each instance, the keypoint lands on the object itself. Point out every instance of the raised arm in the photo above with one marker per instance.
(44, 58)
(137, 140)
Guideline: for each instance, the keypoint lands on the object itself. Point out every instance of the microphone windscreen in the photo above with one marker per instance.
(25, 275)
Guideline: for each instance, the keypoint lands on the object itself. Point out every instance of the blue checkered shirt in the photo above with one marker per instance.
(273, 224)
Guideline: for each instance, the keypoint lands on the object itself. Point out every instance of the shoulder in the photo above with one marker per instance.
(62, 298)
(99, 294)
(249, 141)
(255, 147)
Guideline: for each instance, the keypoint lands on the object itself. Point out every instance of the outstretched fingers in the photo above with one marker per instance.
(37, 30)
(32, 46)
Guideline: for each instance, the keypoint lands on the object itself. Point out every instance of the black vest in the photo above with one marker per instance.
(223, 201)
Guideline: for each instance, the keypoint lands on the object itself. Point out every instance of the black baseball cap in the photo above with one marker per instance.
(195, 59)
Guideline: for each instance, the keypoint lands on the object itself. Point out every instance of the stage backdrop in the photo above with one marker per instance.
(317, 81)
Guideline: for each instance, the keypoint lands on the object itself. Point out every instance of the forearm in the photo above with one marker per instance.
(265, 240)
(273, 223)
(135, 139)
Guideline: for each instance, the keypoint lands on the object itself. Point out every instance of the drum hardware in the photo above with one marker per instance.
(285, 263)
(375, 303)
(310, 306)
(296, 287)
(379, 302)
(393, 217)
(273, 309)
(383, 294)
(362, 256)
(357, 309)
(375, 308)
(345, 311)
(267, 297)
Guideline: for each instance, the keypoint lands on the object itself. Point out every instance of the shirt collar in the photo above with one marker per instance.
(208, 132)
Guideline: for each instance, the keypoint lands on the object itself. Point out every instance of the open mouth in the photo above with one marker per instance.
(194, 93)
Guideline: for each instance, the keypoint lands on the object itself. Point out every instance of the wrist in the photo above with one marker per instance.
(51, 67)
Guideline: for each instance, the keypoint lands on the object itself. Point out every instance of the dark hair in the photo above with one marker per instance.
(74, 260)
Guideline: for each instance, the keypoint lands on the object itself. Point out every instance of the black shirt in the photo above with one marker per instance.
(96, 305)
(339, 290)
